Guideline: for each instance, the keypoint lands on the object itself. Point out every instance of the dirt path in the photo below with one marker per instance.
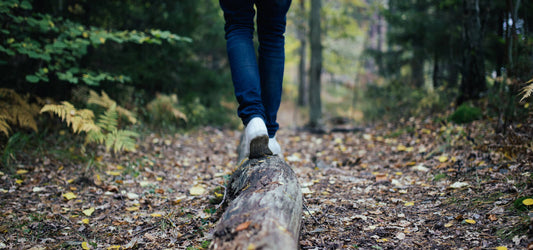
(421, 185)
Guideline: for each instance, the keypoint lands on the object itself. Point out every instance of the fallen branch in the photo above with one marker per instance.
(264, 207)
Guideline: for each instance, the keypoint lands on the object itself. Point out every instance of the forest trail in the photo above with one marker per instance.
(419, 185)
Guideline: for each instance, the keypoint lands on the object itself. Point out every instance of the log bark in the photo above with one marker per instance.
(264, 207)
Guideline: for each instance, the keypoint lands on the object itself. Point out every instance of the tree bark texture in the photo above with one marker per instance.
(264, 207)
(315, 103)
(473, 71)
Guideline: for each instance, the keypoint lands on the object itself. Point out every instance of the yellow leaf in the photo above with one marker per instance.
(501, 248)
(18, 181)
(470, 221)
(69, 196)
(449, 224)
(443, 158)
(114, 247)
(102, 40)
(528, 202)
(382, 240)
(120, 167)
(131, 209)
(113, 173)
(155, 215)
(159, 178)
(197, 190)
(408, 204)
(85, 245)
(70, 181)
(22, 171)
(89, 211)
(85, 221)
(401, 148)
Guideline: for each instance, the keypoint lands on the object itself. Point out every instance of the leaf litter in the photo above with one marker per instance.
(390, 186)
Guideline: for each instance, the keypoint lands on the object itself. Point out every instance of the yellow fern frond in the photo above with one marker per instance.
(4, 127)
(105, 101)
(16, 110)
(80, 120)
(527, 90)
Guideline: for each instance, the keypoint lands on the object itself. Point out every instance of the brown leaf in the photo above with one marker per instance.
(243, 226)
(493, 217)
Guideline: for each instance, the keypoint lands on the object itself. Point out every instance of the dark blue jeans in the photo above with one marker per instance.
(257, 83)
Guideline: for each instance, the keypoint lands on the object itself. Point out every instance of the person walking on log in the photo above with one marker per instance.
(257, 81)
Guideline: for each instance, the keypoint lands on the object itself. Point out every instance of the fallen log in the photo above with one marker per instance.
(264, 208)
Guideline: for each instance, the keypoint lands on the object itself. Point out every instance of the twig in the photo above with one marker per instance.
(223, 198)
(309, 212)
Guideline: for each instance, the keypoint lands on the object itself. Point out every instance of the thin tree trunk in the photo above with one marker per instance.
(302, 86)
(315, 109)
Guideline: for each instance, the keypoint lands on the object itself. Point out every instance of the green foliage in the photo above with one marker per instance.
(466, 114)
(105, 130)
(54, 46)
(396, 100)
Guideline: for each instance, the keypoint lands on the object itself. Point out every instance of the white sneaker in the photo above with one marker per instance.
(254, 142)
(274, 147)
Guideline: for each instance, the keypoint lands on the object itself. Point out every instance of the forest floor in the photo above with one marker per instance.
(412, 184)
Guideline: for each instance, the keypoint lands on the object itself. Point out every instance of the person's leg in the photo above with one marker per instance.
(271, 21)
(239, 27)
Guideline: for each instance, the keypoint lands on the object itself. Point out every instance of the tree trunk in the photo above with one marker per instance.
(302, 86)
(315, 103)
(473, 70)
(264, 207)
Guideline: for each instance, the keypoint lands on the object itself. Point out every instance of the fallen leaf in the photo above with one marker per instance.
(493, 217)
(408, 204)
(243, 226)
(132, 196)
(85, 245)
(400, 236)
(449, 224)
(443, 158)
(501, 248)
(113, 173)
(88, 212)
(69, 196)
(22, 171)
(420, 168)
(528, 202)
(459, 184)
(131, 209)
(38, 189)
(306, 190)
(381, 177)
(155, 215)
(470, 221)
(19, 181)
(197, 190)
(401, 148)
(85, 221)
